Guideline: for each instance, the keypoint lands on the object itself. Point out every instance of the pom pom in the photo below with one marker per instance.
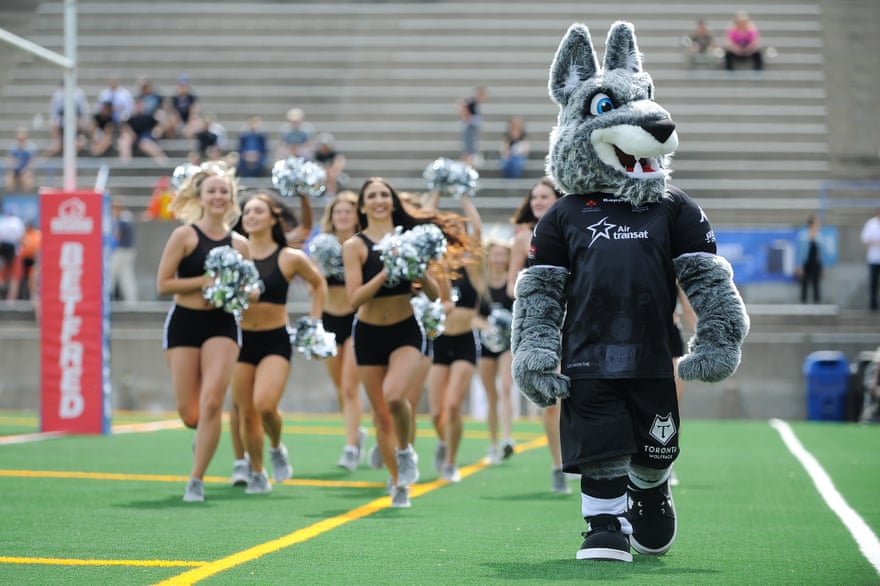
(183, 173)
(453, 178)
(406, 254)
(234, 279)
(310, 338)
(326, 250)
(497, 337)
(430, 314)
(296, 176)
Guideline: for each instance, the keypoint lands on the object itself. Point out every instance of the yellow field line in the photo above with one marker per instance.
(301, 535)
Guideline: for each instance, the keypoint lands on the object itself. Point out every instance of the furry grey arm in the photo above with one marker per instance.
(536, 337)
(714, 352)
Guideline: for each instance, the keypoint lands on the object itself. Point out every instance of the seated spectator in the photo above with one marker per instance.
(700, 45)
(514, 151)
(30, 251)
(141, 129)
(11, 233)
(120, 97)
(161, 198)
(183, 114)
(742, 42)
(253, 149)
(153, 103)
(210, 137)
(296, 136)
(56, 119)
(19, 163)
(103, 129)
(332, 161)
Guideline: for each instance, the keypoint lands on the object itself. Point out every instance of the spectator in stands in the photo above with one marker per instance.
(742, 42)
(810, 251)
(296, 135)
(333, 162)
(152, 102)
(184, 111)
(161, 198)
(30, 252)
(123, 281)
(11, 233)
(514, 151)
(471, 120)
(103, 129)
(120, 97)
(56, 119)
(210, 137)
(253, 149)
(871, 239)
(141, 129)
(19, 163)
(700, 44)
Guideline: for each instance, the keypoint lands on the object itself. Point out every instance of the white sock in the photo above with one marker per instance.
(592, 506)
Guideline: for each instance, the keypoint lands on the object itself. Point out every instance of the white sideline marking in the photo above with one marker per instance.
(865, 538)
(29, 437)
(116, 429)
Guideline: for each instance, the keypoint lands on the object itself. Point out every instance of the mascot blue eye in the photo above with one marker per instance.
(601, 104)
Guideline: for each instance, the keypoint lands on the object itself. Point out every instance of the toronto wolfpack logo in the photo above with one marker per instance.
(663, 428)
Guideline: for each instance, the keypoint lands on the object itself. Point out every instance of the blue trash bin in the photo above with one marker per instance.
(827, 374)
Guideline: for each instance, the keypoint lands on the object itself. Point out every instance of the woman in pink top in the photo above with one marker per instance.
(742, 42)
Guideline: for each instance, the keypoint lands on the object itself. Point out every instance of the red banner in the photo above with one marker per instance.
(74, 322)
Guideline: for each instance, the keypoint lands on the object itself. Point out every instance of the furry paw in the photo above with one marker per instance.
(710, 365)
(543, 389)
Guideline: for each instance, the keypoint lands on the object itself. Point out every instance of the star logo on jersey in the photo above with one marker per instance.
(601, 229)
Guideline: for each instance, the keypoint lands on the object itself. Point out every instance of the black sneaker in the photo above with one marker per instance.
(652, 515)
(604, 540)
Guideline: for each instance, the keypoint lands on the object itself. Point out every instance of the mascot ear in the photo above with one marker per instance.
(574, 63)
(621, 50)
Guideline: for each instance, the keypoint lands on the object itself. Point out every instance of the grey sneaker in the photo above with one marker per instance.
(281, 468)
(400, 497)
(450, 473)
(362, 443)
(241, 473)
(407, 466)
(195, 491)
(258, 483)
(439, 456)
(349, 459)
(376, 458)
(560, 484)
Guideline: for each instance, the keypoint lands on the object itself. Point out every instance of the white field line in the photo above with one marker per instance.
(865, 538)
(116, 429)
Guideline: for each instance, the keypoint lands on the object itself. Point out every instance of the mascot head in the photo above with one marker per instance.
(610, 136)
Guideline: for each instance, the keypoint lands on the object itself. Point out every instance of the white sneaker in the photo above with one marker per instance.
(362, 443)
(194, 492)
(407, 466)
(450, 473)
(560, 483)
(494, 455)
(400, 497)
(281, 468)
(241, 473)
(258, 483)
(349, 459)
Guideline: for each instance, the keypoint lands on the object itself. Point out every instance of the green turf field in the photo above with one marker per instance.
(108, 510)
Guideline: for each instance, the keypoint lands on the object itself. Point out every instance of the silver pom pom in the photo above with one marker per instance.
(406, 254)
(497, 337)
(234, 279)
(326, 250)
(452, 178)
(311, 339)
(430, 314)
(295, 176)
(181, 175)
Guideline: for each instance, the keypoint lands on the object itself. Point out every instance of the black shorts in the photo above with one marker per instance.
(486, 353)
(373, 345)
(603, 419)
(339, 325)
(256, 345)
(191, 327)
(676, 341)
(448, 349)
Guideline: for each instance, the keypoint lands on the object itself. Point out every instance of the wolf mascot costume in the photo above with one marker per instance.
(593, 312)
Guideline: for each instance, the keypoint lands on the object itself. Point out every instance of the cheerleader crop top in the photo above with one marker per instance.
(275, 285)
(193, 264)
(463, 290)
(373, 266)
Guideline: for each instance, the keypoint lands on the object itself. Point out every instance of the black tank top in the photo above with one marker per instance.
(274, 284)
(497, 295)
(373, 266)
(467, 295)
(193, 264)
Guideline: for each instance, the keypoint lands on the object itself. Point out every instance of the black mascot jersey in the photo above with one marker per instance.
(623, 292)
